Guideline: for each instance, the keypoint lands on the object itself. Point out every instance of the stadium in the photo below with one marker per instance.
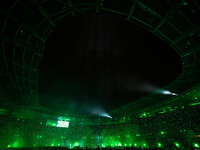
(99, 74)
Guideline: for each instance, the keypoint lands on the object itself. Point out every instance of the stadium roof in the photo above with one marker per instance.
(26, 24)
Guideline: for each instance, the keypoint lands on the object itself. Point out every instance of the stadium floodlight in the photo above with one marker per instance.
(165, 92)
(106, 115)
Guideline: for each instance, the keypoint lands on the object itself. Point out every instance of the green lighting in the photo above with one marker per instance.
(8, 146)
(15, 144)
(159, 145)
(137, 134)
(196, 145)
(119, 144)
(124, 144)
(177, 144)
(193, 104)
(51, 123)
(76, 144)
(135, 144)
(162, 132)
(63, 118)
(144, 114)
(52, 144)
(39, 136)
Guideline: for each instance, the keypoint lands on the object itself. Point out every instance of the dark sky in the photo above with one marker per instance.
(101, 61)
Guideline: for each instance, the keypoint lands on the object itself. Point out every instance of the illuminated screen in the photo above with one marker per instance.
(55, 123)
(63, 124)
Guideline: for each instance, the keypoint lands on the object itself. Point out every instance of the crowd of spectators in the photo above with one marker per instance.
(180, 126)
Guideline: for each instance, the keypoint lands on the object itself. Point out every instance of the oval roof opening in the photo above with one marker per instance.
(101, 61)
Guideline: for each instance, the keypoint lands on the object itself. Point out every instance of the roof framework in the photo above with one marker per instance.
(26, 24)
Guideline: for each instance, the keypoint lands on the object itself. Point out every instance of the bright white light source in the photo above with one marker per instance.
(166, 92)
(63, 124)
(100, 112)
(174, 94)
(106, 115)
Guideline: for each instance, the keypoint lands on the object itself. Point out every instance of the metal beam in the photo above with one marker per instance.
(174, 27)
(20, 43)
(98, 6)
(71, 7)
(148, 9)
(187, 33)
(27, 27)
(19, 64)
(14, 64)
(69, 4)
(114, 11)
(13, 5)
(43, 11)
(165, 18)
(132, 9)
(4, 50)
(193, 50)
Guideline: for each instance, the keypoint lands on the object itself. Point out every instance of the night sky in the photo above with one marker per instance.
(101, 61)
